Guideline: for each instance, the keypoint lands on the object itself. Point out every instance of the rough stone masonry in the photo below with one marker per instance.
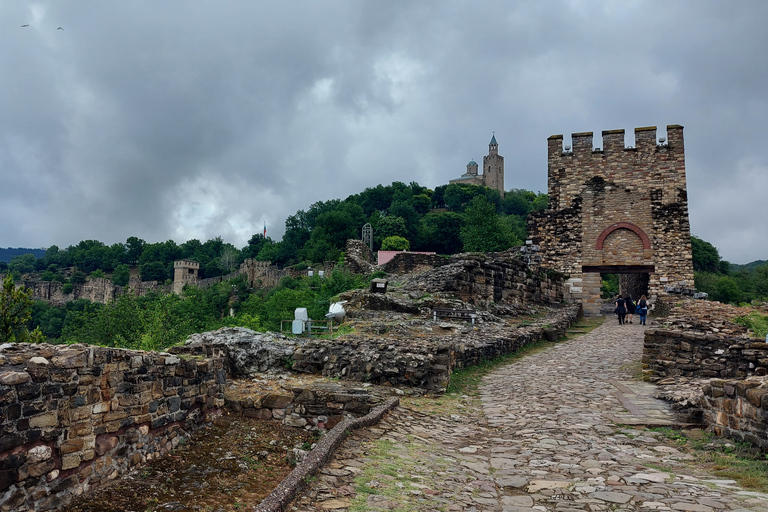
(619, 210)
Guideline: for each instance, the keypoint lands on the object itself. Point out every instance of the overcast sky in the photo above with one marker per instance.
(188, 119)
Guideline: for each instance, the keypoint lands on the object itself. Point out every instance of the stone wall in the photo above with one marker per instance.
(616, 210)
(738, 409)
(411, 262)
(421, 363)
(94, 289)
(669, 353)
(320, 405)
(358, 258)
(482, 279)
(75, 417)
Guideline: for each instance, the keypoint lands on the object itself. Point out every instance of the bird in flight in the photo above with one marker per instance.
(24, 26)
(59, 28)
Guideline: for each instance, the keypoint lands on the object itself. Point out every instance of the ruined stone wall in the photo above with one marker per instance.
(738, 409)
(616, 206)
(76, 417)
(669, 353)
(422, 363)
(358, 258)
(484, 279)
(409, 262)
(321, 405)
(99, 290)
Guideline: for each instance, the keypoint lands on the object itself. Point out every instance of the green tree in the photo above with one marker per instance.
(483, 231)
(395, 243)
(23, 264)
(121, 275)
(727, 290)
(705, 256)
(153, 271)
(78, 277)
(15, 314)
(441, 232)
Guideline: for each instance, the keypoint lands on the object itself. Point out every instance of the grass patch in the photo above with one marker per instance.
(389, 473)
(755, 322)
(728, 459)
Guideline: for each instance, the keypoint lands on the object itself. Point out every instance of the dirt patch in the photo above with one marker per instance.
(231, 466)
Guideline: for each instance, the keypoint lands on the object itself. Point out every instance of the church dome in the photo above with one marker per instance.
(472, 162)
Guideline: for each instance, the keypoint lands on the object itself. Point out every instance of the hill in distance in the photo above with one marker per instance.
(8, 253)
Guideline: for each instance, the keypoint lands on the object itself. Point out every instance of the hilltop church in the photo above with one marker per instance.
(493, 170)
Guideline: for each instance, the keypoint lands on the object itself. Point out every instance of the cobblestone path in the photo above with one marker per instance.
(558, 430)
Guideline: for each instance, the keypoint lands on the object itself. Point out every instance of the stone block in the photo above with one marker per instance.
(70, 359)
(755, 396)
(105, 444)
(12, 378)
(101, 407)
(114, 415)
(39, 454)
(49, 419)
(41, 468)
(70, 461)
(262, 414)
(71, 446)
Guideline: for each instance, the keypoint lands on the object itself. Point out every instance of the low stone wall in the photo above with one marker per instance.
(410, 262)
(421, 363)
(669, 353)
(738, 409)
(75, 417)
(321, 406)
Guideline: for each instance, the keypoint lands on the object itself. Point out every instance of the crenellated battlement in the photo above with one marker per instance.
(646, 140)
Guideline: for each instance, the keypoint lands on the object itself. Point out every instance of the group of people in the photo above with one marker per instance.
(626, 308)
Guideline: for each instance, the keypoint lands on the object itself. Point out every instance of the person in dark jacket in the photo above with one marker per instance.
(621, 309)
(630, 308)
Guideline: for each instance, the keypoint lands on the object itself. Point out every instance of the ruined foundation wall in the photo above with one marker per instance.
(676, 353)
(738, 409)
(422, 363)
(75, 417)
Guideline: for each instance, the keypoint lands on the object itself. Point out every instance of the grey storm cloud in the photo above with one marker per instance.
(179, 120)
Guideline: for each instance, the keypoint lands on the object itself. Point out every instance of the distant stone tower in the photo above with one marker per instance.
(493, 170)
(184, 272)
(493, 167)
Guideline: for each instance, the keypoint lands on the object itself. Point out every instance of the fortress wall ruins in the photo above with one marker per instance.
(94, 289)
(418, 363)
(669, 353)
(738, 409)
(75, 417)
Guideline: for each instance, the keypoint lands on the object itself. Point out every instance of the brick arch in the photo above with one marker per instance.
(623, 225)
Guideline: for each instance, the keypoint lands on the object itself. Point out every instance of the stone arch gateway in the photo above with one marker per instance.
(619, 210)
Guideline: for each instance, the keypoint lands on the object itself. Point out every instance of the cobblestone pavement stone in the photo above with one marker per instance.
(558, 430)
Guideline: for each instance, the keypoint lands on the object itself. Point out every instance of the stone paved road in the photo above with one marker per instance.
(558, 430)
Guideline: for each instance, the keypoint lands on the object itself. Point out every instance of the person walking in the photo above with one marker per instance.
(642, 309)
(621, 309)
(630, 308)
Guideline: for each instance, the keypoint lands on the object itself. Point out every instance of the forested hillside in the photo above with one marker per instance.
(450, 219)
(8, 253)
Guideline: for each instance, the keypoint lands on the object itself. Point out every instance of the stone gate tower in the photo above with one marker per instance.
(617, 210)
